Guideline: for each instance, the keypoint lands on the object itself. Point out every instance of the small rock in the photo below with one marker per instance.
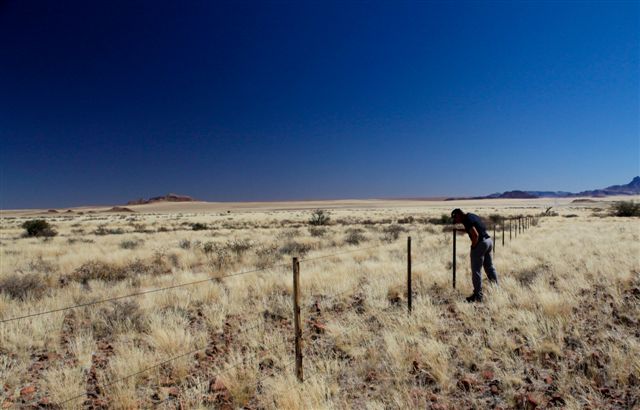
(532, 401)
(217, 385)
(487, 375)
(494, 389)
(25, 391)
(466, 382)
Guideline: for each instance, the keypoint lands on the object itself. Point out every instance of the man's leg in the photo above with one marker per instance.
(489, 269)
(477, 259)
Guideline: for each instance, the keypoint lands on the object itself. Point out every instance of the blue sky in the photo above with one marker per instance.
(102, 102)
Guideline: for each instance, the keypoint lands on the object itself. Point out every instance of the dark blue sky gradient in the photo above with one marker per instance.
(102, 102)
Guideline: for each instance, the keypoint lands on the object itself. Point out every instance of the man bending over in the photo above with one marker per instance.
(481, 246)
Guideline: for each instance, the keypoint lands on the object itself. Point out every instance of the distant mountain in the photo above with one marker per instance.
(632, 188)
(165, 198)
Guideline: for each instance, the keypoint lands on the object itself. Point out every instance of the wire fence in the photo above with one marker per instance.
(515, 226)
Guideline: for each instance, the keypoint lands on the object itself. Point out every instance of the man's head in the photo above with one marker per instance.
(457, 215)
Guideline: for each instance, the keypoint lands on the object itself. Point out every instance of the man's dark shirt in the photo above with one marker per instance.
(473, 220)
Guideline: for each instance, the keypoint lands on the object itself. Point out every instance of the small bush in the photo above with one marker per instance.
(354, 236)
(317, 231)
(39, 265)
(295, 248)
(208, 247)
(110, 272)
(103, 230)
(184, 244)
(130, 244)
(625, 209)
(406, 220)
(98, 270)
(496, 218)
(266, 255)
(444, 219)
(392, 232)
(21, 287)
(38, 227)
(239, 246)
(319, 217)
(121, 317)
(198, 226)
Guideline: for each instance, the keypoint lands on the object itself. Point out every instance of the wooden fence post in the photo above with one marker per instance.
(494, 239)
(296, 318)
(502, 233)
(409, 289)
(509, 228)
(454, 256)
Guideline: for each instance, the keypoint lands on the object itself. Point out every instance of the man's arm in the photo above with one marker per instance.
(473, 234)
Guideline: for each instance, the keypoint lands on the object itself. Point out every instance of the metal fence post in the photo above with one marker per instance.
(409, 289)
(296, 318)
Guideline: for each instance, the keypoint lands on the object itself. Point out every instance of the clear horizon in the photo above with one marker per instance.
(103, 103)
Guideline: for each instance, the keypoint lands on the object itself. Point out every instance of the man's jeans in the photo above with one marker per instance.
(481, 256)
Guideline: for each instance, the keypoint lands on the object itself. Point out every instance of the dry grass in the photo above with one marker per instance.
(561, 330)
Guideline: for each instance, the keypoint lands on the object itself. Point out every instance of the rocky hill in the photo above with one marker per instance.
(165, 198)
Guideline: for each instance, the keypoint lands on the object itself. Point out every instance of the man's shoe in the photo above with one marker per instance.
(474, 298)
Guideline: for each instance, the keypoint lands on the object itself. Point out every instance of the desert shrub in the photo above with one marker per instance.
(141, 228)
(184, 244)
(295, 248)
(319, 217)
(39, 265)
(239, 246)
(98, 270)
(103, 230)
(444, 219)
(21, 287)
(570, 216)
(354, 236)
(316, 231)
(495, 218)
(547, 212)
(71, 241)
(38, 227)
(392, 232)
(266, 256)
(625, 209)
(198, 226)
(111, 272)
(131, 243)
(208, 247)
(120, 317)
(287, 234)
(406, 220)
(217, 255)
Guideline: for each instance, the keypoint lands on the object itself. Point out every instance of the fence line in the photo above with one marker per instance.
(141, 293)
(522, 224)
